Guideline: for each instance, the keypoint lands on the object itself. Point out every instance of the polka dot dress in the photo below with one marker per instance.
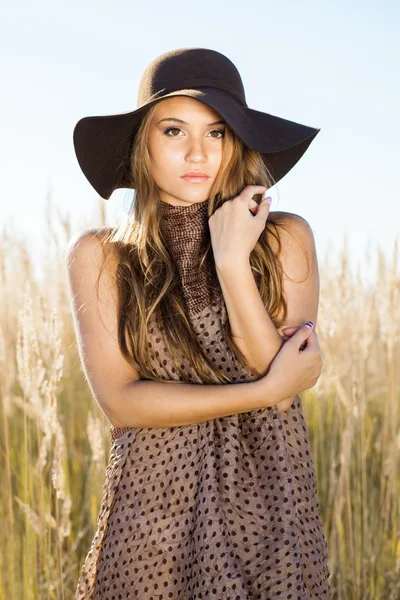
(220, 510)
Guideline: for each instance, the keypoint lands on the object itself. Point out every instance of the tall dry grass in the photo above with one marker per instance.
(55, 440)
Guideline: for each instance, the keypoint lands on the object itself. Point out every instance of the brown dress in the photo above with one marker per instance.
(224, 509)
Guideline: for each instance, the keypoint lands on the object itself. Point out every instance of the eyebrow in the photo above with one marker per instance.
(184, 122)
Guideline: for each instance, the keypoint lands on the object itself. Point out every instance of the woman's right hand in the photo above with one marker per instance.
(295, 368)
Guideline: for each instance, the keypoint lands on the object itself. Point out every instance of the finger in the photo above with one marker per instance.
(289, 331)
(250, 190)
(316, 342)
(253, 206)
(312, 341)
(303, 333)
(264, 207)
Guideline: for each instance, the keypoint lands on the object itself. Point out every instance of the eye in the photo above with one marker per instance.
(166, 132)
(221, 131)
(171, 129)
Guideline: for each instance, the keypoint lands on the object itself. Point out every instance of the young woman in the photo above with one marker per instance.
(210, 491)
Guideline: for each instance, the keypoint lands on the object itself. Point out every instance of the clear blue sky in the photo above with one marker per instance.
(330, 65)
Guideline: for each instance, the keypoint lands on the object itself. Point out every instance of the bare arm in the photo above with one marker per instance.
(145, 403)
(253, 331)
(125, 399)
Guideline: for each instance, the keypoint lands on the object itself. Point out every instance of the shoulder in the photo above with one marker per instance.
(89, 243)
(292, 229)
(88, 238)
(293, 243)
(87, 254)
(292, 221)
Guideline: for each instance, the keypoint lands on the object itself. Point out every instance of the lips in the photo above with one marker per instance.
(195, 174)
(195, 179)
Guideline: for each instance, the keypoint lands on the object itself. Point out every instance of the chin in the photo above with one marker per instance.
(192, 198)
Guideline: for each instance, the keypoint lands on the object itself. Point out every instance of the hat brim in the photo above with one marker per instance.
(103, 142)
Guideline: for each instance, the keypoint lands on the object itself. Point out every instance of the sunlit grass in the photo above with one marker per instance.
(55, 440)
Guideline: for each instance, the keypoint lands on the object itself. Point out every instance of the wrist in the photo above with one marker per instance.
(266, 392)
(232, 266)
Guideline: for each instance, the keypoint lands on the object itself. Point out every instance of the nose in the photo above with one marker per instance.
(195, 150)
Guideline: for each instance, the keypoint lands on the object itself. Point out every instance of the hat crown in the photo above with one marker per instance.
(190, 68)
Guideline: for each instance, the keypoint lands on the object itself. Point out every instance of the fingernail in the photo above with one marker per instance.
(309, 324)
(268, 199)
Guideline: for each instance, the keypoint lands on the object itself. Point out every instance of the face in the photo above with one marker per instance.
(189, 140)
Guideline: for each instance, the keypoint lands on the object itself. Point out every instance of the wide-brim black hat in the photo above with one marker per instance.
(103, 142)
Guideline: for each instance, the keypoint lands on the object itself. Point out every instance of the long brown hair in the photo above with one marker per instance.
(146, 277)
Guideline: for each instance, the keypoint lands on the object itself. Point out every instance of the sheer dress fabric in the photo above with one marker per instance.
(224, 509)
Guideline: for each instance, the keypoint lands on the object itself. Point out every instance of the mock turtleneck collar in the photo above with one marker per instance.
(185, 227)
(187, 213)
(186, 233)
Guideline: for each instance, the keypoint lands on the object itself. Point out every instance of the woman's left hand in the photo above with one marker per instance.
(284, 405)
(236, 226)
(288, 332)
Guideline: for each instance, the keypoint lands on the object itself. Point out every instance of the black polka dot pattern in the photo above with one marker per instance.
(220, 510)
